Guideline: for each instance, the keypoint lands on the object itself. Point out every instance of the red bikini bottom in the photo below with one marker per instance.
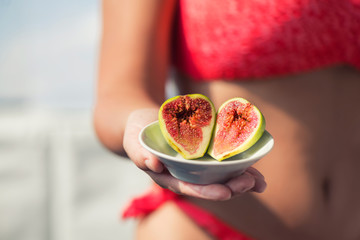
(153, 199)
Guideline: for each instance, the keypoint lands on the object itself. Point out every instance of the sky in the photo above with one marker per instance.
(48, 52)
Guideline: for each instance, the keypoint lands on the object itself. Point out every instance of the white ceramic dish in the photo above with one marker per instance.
(205, 170)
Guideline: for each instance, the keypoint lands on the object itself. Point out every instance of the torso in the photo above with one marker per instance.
(312, 172)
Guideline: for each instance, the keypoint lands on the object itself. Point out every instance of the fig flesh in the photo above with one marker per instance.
(187, 123)
(239, 125)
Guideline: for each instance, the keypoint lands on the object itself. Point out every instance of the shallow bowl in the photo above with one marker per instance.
(204, 170)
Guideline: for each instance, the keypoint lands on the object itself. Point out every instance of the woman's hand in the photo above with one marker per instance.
(142, 158)
(250, 180)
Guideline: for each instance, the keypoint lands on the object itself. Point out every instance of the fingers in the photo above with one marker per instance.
(241, 184)
(260, 183)
(216, 192)
(255, 172)
(250, 180)
(142, 158)
(153, 164)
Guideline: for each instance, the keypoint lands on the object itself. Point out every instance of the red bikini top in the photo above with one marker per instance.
(234, 39)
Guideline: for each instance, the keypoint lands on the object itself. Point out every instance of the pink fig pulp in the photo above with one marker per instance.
(187, 122)
(239, 125)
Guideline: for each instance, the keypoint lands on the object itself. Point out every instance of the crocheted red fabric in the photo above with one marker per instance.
(150, 201)
(234, 39)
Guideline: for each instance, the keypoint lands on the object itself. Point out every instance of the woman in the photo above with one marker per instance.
(293, 60)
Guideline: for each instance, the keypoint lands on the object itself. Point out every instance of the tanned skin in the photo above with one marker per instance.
(311, 175)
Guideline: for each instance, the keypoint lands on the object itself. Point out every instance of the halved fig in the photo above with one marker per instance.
(239, 125)
(187, 123)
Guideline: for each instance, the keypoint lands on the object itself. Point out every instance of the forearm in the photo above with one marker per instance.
(111, 118)
(133, 64)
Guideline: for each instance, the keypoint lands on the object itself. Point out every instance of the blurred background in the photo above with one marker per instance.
(56, 181)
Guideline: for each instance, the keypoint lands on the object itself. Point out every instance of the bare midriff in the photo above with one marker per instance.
(312, 173)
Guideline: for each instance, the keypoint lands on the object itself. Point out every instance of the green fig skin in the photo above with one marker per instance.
(236, 130)
(187, 123)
